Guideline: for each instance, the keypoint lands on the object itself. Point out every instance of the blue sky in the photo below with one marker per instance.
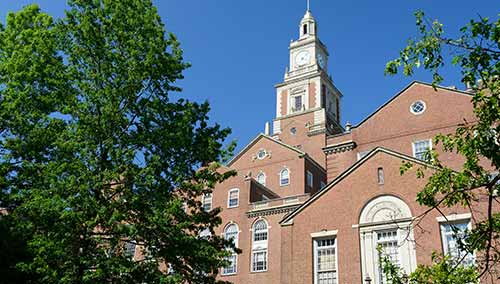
(239, 49)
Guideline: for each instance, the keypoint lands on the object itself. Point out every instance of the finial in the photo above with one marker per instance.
(308, 5)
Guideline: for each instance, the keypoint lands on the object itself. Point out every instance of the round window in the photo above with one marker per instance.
(293, 130)
(261, 154)
(417, 107)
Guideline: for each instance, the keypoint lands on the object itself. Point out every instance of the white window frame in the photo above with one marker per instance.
(204, 200)
(450, 221)
(381, 276)
(266, 261)
(421, 112)
(260, 245)
(288, 177)
(414, 148)
(234, 269)
(309, 179)
(263, 156)
(316, 248)
(383, 213)
(261, 173)
(237, 190)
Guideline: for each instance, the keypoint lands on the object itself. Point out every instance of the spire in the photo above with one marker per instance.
(308, 23)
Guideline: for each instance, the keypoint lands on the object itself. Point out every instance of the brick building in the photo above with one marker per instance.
(313, 200)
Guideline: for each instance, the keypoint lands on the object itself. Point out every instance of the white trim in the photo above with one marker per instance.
(261, 150)
(211, 201)
(229, 198)
(418, 113)
(315, 257)
(235, 266)
(347, 172)
(444, 240)
(420, 140)
(284, 169)
(252, 268)
(324, 234)
(454, 217)
(263, 174)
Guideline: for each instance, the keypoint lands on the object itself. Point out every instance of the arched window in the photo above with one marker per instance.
(304, 29)
(261, 178)
(284, 177)
(385, 224)
(259, 246)
(231, 233)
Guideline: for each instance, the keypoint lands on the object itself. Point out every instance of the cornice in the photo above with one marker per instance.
(339, 148)
(272, 211)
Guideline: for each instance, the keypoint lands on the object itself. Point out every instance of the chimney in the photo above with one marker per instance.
(267, 128)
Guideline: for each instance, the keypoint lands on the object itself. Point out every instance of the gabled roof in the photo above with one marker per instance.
(349, 171)
(404, 90)
(257, 139)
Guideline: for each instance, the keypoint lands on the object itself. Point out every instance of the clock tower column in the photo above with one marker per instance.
(307, 101)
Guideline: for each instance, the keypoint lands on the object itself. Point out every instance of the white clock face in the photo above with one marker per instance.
(321, 61)
(302, 58)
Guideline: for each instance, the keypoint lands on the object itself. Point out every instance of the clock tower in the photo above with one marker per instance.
(307, 101)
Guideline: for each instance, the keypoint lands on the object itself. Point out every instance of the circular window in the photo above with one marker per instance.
(417, 107)
(261, 154)
(293, 130)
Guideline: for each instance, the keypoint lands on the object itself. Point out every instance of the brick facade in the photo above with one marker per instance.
(360, 167)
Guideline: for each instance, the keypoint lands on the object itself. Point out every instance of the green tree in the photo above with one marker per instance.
(476, 52)
(95, 152)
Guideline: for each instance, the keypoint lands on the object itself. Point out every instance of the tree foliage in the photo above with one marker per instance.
(476, 52)
(95, 152)
(442, 271)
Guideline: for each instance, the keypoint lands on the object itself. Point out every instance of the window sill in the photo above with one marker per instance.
(228, 274)
(231, 207)
(263, 271)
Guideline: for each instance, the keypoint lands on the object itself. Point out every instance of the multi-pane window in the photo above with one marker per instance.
(231, 234)
(207, 202)
(387, 241)
(452, 234)
(129, 249)
(420, 149)
(233, 198)
(284, 177)
(231, 268)
(260, 231)
(417, 107)
(259, 260)
(261, 178)
(310, 179)
(325, 261)
(259, 246)
(297, 103)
